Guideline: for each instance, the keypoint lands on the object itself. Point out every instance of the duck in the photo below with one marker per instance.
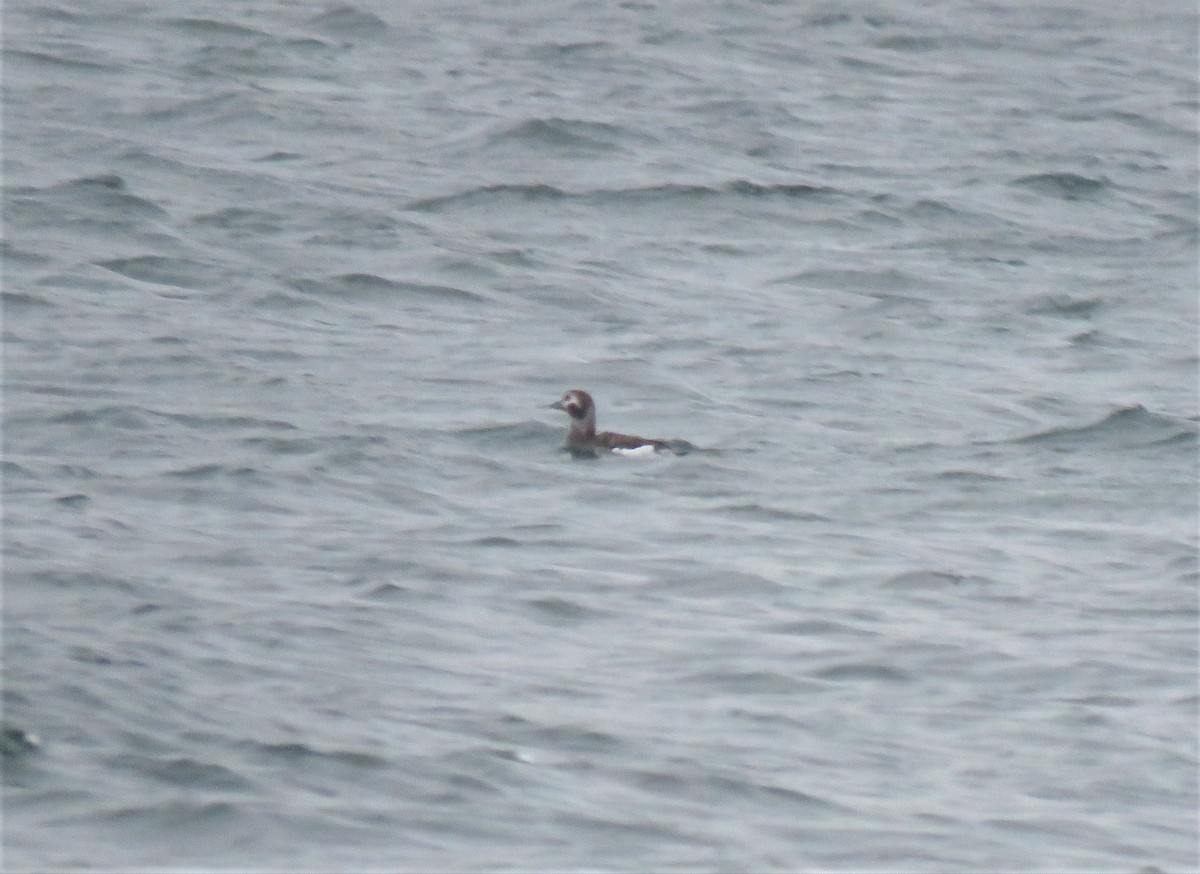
(582, 438)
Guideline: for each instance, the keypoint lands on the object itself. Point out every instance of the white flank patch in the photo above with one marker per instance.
(638, 452)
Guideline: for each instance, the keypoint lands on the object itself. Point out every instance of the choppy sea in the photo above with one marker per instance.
(297, 575)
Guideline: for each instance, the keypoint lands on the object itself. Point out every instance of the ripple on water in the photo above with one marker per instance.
(1124, 427)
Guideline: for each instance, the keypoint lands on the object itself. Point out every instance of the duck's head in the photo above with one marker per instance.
(577, 404)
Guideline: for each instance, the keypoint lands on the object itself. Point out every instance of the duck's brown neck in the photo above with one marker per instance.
(583, 431)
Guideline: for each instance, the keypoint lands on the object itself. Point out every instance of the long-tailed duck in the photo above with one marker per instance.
(582, 439)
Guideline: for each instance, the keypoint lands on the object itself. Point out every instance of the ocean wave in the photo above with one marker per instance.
(297, 752)
(211, 28)
(349, 21)
(1125, 427)
(697, 782)
(862, 671)
(562, 133)
(212, 470)
(932, 579)
(124, 417)
(105, 192)
(185, 273)
(182, 771)
(883, 282)
(255, 222)
(17, 58)
(1075, 307)
(509, 434)
(14, 301)
(491, 195)
(1066, 186)
(368, 286)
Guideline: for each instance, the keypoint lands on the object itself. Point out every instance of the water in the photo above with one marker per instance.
(298, 577)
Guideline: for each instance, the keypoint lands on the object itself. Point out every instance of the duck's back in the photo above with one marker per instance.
(613, 440)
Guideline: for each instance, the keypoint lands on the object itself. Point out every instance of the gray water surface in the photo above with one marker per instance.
(298, 577)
